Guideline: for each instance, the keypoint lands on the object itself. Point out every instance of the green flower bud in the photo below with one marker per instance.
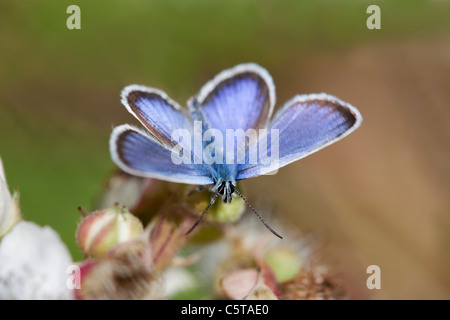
(284, 263)
(197, 201)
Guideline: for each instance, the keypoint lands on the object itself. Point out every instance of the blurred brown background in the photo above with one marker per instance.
(380, 196)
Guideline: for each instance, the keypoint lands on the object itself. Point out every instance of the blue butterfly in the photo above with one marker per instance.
(240, 98)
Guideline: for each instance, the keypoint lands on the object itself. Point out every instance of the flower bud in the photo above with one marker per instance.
(284, 263)
(197, 201)
(124, 273)
(249, 284)
(166, 236)
(227, 212)
(101, 230)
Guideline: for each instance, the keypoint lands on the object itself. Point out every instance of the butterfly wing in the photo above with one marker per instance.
(150, 154)
(305, 124)
(139, 153)
(242, 97)
(156, 111)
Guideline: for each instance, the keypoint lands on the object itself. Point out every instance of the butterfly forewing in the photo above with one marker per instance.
(156, 111)
(242, 97)
(137, 153)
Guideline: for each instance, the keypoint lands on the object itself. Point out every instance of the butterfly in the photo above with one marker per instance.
(240, 98)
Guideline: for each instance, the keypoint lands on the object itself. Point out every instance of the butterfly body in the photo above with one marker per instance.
(226, 189)
(222, 174)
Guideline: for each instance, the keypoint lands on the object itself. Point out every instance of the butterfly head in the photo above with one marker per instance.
(226, 189)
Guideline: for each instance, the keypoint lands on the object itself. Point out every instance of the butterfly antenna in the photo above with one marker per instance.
(213, 199)
(257, 214)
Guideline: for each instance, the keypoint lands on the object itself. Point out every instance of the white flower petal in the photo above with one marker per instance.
(33, 264)
(2, 171)
(7, 214)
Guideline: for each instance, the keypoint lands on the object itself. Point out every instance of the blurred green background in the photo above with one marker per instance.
(380, 196)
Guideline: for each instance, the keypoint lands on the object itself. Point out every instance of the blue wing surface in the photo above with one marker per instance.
(239, 98)
(242, 97)
(140, 154)
(156, 111)
(305, 124)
